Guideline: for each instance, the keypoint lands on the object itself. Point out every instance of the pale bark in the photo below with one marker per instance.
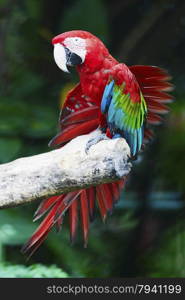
(68, 168)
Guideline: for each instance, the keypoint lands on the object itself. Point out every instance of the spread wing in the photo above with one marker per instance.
(125, 113)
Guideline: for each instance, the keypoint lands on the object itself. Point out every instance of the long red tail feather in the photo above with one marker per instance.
(85, 216)
(91, 196)
(73, 219)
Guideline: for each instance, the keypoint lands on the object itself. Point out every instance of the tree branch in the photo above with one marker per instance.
(63, 170)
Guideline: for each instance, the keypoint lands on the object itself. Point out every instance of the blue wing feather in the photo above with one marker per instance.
(107, 96)
(116, 119)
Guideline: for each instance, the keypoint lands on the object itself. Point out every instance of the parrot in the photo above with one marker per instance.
(118, 100)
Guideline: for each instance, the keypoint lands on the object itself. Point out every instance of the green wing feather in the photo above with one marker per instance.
(124, 116)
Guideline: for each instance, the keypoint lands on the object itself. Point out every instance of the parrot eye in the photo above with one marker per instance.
(75, 48)
(74, 42)
(77, 41)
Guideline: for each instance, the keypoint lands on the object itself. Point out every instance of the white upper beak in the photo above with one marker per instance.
(60, 57)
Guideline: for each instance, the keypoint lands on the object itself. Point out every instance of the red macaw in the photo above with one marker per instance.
(120, 100)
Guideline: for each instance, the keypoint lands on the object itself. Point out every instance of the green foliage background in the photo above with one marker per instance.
(145, 235)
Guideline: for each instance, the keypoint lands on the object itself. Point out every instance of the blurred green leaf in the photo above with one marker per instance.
(34, 8)
(9, 148)
(11, 228)
(168, 259)
(14, 116)
(42, 122)
(33, 271)
(93, 10)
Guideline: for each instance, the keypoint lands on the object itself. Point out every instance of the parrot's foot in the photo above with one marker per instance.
(94, 141)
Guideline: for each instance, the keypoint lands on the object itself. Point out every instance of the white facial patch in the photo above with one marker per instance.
(76, 45)
(60, 57)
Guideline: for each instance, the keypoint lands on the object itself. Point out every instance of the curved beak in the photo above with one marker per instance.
(64, 57)
(60, 57)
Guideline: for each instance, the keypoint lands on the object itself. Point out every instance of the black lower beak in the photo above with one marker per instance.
(72, 58)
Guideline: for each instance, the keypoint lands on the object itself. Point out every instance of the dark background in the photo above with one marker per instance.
(146, 234)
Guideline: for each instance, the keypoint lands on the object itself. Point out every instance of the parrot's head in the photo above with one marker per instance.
(78, 48)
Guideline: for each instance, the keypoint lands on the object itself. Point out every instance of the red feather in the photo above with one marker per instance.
(86, 114)
(148, 135)
(153, 82)
(42, 230)
(45, 205)
(73, 219)
(115, 191)
(156, 107)
(85, 215)
(31, 250)
(150, 84)
(65, 204)
(59, 223)
(141, 71)
(91, 199)
(107, 196)
(121, 183)
(101, 203)
(73, 131)
(153, 119)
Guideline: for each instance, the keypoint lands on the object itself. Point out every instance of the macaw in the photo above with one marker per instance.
(120, 101)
